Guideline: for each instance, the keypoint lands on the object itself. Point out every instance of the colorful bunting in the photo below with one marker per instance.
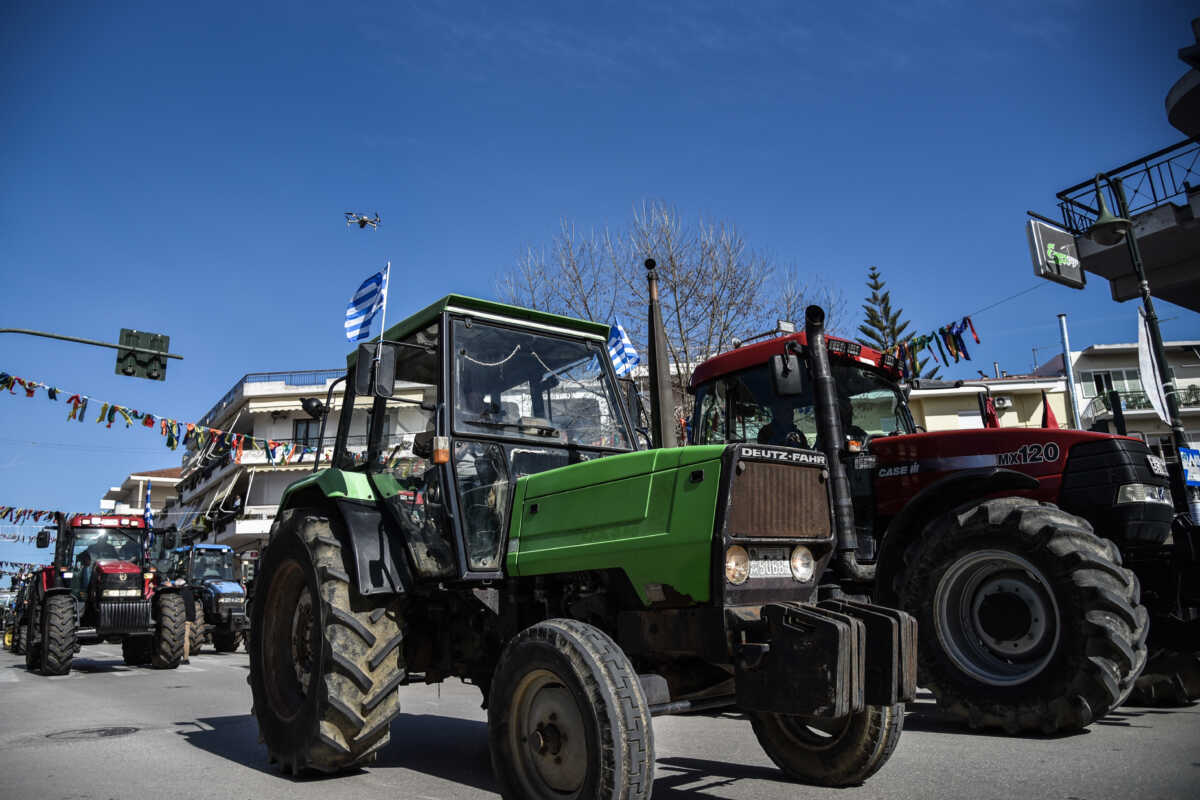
(948, 339)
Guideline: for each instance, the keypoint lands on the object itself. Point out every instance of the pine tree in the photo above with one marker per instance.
(884, 327)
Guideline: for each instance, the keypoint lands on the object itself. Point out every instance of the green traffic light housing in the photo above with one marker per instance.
(133, 361)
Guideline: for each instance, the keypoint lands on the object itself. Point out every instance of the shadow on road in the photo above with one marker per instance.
(926, 717)
(671, 774)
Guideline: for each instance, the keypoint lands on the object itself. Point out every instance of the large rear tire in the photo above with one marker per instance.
(838, 752)
(18, 648)
(325, 662)
(33, 644)
(1027, 620)
(170, 631)
(58, 634)
(567, 717)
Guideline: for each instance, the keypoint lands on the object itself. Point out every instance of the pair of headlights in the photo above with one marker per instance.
(738, 568)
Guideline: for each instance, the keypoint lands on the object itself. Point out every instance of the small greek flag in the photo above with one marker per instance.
(148, 514)
(620, 350)
(366, 302)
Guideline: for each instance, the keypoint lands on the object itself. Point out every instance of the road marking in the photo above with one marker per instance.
(9, 677)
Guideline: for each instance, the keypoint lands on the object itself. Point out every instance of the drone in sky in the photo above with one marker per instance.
(362, 220)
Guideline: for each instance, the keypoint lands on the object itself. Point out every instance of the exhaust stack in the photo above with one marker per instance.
(662, 404)
(829, 424)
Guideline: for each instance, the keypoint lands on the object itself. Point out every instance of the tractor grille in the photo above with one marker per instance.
(124, 616)
(779, 500)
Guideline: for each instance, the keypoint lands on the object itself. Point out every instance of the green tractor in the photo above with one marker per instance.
(488, 516)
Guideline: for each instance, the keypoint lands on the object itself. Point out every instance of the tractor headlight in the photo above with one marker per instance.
(737, 565)
(803, 564)
(1143, 493)
(121, 593)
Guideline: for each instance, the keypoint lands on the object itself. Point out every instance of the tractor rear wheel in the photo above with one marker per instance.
(197, 629)
(33, 645)
(325, 662)
(567, 717)
(833, 752)
(18, 647)
(1027, 620)
(58, 634)
(137, 650)
(226, 641)
(170, 631)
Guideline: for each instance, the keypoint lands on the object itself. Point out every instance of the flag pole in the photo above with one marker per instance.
(387, 276)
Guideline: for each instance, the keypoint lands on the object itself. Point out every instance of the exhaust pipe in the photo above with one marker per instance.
(662, 404)
(829, 424)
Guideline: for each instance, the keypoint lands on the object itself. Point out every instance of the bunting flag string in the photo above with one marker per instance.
(949, 340)
(173, 431)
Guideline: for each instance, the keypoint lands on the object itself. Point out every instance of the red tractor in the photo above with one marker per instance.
(1024, 553)
(101, 588)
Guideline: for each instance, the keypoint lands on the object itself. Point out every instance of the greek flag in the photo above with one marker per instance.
(149, 515)
(620, 350)
(366, 302)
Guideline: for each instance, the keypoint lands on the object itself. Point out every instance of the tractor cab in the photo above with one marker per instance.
(102, 552)
(457, 403)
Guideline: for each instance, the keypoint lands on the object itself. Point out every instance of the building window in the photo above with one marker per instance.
(1101, 382)
(306, 431)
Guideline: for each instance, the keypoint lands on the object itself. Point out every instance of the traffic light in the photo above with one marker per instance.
(139, 364)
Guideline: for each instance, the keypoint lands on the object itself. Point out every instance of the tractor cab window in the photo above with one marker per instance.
(870, 404)
(757, 414)
(89, 545)
(709, 427)
(524, 402)
(212, 565)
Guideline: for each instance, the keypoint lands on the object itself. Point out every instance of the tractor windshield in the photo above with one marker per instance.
(743, 407)
(89, 545)
(212, 565)
(535, 387)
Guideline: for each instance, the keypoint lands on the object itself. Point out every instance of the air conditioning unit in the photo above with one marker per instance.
(1002, 401)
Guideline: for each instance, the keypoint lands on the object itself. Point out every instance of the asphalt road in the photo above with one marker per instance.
(108, 731)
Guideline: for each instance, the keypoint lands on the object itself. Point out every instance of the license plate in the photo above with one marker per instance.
(769, 562)
(1157, 465)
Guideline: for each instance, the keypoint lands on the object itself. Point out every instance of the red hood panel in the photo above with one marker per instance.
(112, 565)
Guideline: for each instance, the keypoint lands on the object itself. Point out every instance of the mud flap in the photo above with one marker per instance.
(891, 651)
(804, 660)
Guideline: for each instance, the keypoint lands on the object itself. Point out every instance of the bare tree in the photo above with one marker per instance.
(712, 285)
(796, 294)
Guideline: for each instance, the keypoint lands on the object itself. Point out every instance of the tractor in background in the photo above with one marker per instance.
(1026, 554)
(220, 599)
(101, 588)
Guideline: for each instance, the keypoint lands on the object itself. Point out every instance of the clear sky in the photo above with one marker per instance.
(184, 169)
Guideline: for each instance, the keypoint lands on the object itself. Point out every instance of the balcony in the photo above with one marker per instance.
(1188, 398)
(296, 378)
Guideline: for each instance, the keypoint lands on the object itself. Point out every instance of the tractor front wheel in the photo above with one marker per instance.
(1027, 620)
(325, 662)
(170, 631)
(197, 629)
(18, 646)
(833, 752)
(137, 650)
(567, 717)
(226, 641)
(58, 634)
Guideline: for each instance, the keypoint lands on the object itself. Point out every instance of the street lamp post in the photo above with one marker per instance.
(1109, 230)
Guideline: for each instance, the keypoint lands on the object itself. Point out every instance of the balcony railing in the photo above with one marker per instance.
(304, 377)
(1149, 182)
(1187, 397)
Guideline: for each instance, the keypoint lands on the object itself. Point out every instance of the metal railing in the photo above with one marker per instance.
(1149, 182)
(304, 377)
(1187, 396)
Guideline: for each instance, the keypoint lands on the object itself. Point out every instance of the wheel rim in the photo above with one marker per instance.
(548, 737)
(996, 617)
(814, 734)
(288, 640)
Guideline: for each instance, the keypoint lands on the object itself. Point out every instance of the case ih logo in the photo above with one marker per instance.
(788, 456)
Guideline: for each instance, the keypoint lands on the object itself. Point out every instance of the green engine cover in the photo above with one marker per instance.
(648, 513)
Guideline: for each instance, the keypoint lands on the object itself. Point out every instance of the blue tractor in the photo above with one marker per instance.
(220, 598)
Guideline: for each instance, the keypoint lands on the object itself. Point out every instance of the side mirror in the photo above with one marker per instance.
(375, 378)
(787, 374)
(313, 407)
(43, 538)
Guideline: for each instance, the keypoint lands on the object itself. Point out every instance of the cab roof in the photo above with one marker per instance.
(489, 308)
(752, 355)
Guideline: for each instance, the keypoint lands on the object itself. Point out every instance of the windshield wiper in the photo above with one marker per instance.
(487, 423)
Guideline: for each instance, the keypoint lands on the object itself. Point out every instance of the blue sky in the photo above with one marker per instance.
(181, 169)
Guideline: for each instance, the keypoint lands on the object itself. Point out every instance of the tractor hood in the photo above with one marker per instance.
(615, 468)
(224, 588)
(110, 566)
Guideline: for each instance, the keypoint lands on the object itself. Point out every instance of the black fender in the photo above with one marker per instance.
(932, 501)
(379, 558)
